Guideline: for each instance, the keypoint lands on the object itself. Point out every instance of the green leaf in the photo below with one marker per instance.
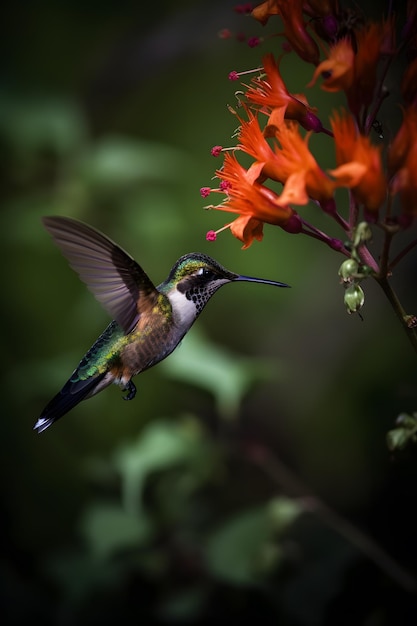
(32, 124)
(405, 432)
(227, 376)
(397, 439)
(163, 444)
(116, 162)
(109, 529)
(246, 547)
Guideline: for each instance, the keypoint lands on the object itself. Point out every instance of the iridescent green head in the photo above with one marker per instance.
(197, 277)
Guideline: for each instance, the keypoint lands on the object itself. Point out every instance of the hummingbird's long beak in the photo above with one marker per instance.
(251, 279)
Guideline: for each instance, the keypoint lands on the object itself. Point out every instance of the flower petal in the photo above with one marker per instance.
(247, 229)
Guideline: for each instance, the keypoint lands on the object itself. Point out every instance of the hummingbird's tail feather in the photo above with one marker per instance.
(71, 394)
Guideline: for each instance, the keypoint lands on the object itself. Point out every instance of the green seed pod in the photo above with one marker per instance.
(363, 233)
(348, 270)
(354, 298)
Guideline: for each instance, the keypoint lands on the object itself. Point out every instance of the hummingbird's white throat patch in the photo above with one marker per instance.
(184, 310)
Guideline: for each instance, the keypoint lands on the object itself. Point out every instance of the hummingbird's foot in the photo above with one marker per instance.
(131, 389)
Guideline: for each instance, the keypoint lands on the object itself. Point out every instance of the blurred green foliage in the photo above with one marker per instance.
(120, 514)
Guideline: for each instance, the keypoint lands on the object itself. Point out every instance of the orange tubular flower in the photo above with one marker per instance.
(405, 182)
(296, 158)
(337, 70)
(403, 141)
(246, 229)
(294, 26)
(356, 74)
(359, 162)
(292, 163)
(268, 163)
(263, 11)
(273, 97)
(402, 162)
(254, 202)
(409, 84)
(370, 42)
(320, 7)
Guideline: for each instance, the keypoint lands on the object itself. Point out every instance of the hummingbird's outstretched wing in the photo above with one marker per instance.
(111, 274)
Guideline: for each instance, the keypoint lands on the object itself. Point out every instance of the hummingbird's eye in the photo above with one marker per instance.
(203, 271)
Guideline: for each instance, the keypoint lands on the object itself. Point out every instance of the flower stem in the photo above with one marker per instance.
(408, 322)
(353, 211)
(402, 254)
(311, 231)
(366, 257)
(282, 476)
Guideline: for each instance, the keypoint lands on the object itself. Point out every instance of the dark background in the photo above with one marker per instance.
(250, 478)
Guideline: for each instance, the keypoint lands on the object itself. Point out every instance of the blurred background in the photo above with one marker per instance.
(250, 478)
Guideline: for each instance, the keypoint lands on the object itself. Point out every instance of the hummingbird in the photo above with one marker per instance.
(148, 322)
